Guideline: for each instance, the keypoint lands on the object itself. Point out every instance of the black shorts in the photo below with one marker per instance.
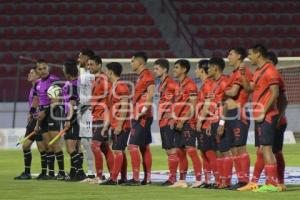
(97, 128)
(138, 134)
(278, 139)
(265, 132)
(148, 130)
(73, 132)
(205, 142)
(167, 137)
(186, 137)
(213, 132)
(53, 120)
(30, 128)
(44, 122)
(120, 141)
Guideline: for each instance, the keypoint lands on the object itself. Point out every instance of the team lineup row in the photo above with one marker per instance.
(213, 119)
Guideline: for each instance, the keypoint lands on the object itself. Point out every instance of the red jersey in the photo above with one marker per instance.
(217, 95)
(118, 91)
(236, 79)
(262, 79)
(187, 89)
(167, 91)
(99, 101)
(203, 93)
(144, 80)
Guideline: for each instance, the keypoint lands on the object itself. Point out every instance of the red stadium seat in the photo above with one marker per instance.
(41, 21)
(4, 21)
(135, 45)
(266, 32)
(82, 20)
(149, 45)
(69, 21)
(287, 44)
(134, 20)
(128, 32)
(47, 9)
(108, 20)
(293, 32)
(28, 46)
(114, 8)
(75, 33)
(279, 32)
(55, 21)
(109, 45)
(115, 33)
(155, 54)
(8, 33)
(75, 9)
(8, 59)
(154, 32)
(3, 45)
(246, 20)
(228, 32)
(141, 33)
(220, 20)
(15, 45)
(285, 19)
(169, 54)
(102, 32)
(222, 44)
(139, 8)
(122, 45)
(15, 21)
(259, 19)
(121, 20)
(206, 20)
(62, 33)
(202, 33)
(116, 54)
(194, 20)
(88, 9)
(42, 46)
(100, 8)
(161, 45)
(211, 8)
(8, 9)
(127, 8)
(147, 21)
(69, 45)
(215, 32)
(48, 33)
(225, 7)
(89, 33)
(186, 9)
(296, 19)
(22, 33)
(233, 19)
(219, 54)
(209, 44)
(274, 43)
(234, 42)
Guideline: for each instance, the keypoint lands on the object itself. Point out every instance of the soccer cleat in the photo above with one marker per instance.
(197, 184)
(237, 185)
(132, 182)
(61, 176)
(167, 183)
(282, 187)
(205, 186)
(145, 182)
(109, 182)
(249, 187)
(23, 176)
(96, 180)
(122, 181)
(179, 184)
(224, 187)
(80, 176)
(42, 176)
(91, 176)
(87, 180)
(50, 178)
(267, 188)
(213, 186)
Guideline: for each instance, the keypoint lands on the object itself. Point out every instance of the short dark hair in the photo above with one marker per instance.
(217, 61)
(97, 59)
(87, 52)
(241, 51)
(41, 61)
(272, 56)
(115, 67)
(203, 64)
(163, 63)
(260, 49)
(184, 64)
(70, 67)
(141, 54)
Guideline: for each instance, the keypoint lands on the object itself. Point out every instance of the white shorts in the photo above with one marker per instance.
(85, 123)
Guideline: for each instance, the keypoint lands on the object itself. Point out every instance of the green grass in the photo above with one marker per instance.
(11, 164)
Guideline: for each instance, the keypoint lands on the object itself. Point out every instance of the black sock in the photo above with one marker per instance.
(74, 163)
(80, 163)
(27, 160)
(50, 162)
(44, 162)
(60, 161)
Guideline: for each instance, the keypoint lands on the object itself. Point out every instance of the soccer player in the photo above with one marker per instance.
(119, 106)
(99, 102)
(71, 101)
(185, 124)
(32, 118)
(206, 143)
(46, 124)
(140, 136)
(85, 113)
(265, 91)
(167, 91)
(237, 118)
(216, 98)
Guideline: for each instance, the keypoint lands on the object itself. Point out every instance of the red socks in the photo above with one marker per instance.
(193, 154)
(135, 161)
(245, 167)
(109, 156)
(259, 166)
(280, 167)
(238, 167)
(147, 162)
(173, 161)
(118, 162)
(124, 168)
(183, 163)
(227, 169)
(219, 171)
(212, 158)
(96, 147)
(206, 168)
(271, 174)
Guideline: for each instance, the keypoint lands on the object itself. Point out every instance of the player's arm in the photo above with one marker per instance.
(149, 99)
(274, 89)
(192, 105)
(247, 85)
(282, 103)
(233, 91)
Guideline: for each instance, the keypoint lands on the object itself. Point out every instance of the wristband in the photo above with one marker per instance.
(221, 122)
(144, 109)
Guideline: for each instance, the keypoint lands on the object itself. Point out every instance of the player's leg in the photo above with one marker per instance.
(59, 155)
(86, 143)
(109, 155)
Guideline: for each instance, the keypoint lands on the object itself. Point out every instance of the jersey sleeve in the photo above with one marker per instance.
(272, 76)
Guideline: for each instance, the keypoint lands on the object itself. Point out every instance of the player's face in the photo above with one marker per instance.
(135, 63)
(42, 70)
(108, 73)
(211, 70)
(198, 72)
(252, 57)
(233, 57)
(93, 67)
(82, 59)
(158, 71)
(32, 75)
(178, 71)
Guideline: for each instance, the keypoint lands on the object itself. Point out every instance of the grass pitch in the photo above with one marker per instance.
(11, 164)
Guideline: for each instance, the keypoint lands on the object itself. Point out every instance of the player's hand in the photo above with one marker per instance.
(67, 125)
(172, 124)
(199, 126)
(118, 130)
(29, 118)
(208, 131)
(179, 126)
(220, 130)
(103, 131)
(139, 115)
(41, 115)
(37, 128)
(261, 118)
(242, 69)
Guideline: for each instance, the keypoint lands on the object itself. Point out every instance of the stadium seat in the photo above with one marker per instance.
(69, 46)
(209, 44)
(22, 33)
(4, 21)
(155, 54)
(15, 46)
(8, 58)
(155, 33)
(149, 45)
(206, 20)
(15, 21)
(3, 45)
(135, 45)
(246, 20)
(224, 7)
(233, 19)
(122, 45)
(194, 20)
(220, 20)
(147, 20)
(296, 19)
(89, 33)
(127, 8)
(161, 45)
(87, 9)
(222, 44)
(293, 31)
(228, 32)
(139, 8)
(121, 20)
(128, 32)
(215, 32)
(116, 54)
(28, 46)
(202, 32)
(141, 33)
(48, 33)
(287, 44)
(41, 21)
(169, 54)
(102, 32)
(109, 45)
(8, 33)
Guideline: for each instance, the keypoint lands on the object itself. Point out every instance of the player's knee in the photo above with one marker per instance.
(96, 146)
(132, 147)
